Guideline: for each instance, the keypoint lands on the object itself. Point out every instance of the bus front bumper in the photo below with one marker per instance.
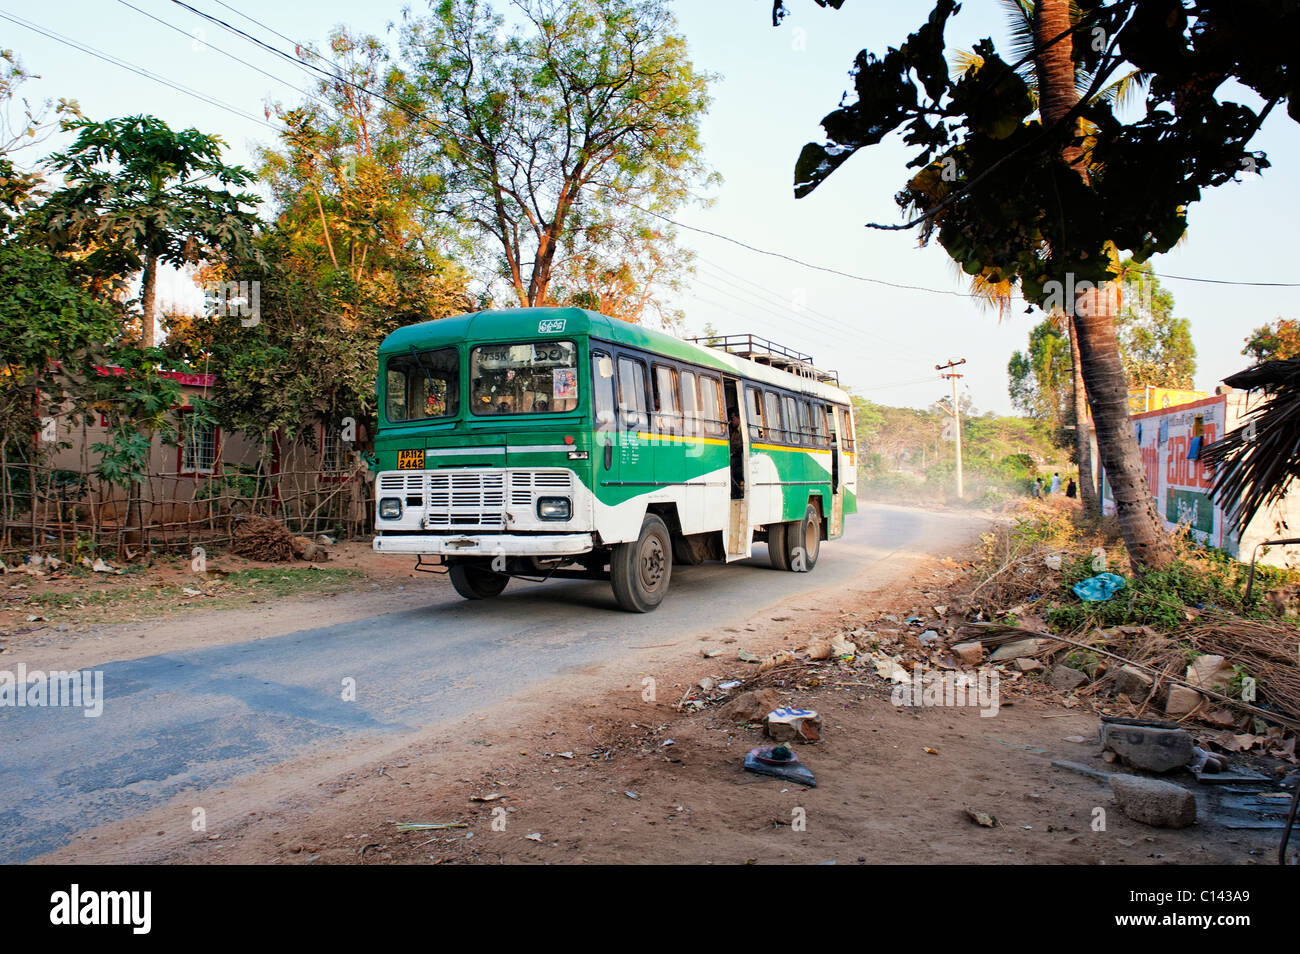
(487, 544)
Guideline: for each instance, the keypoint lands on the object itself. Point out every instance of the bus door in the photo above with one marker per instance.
(739, 536)
(838, 430)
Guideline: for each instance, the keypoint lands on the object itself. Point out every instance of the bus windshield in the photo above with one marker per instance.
(422, 385)
(538, 377)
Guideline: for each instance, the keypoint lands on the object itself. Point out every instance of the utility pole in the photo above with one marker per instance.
(956, 413)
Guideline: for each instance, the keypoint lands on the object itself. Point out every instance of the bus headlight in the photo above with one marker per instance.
(554, 508)
(390, 508)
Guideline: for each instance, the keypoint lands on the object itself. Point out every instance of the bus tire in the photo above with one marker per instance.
(640, 571)
(776, 548)
(475, 582)
(803, 541)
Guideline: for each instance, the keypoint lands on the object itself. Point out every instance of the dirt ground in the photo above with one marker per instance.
(583, 771)
(85, 618)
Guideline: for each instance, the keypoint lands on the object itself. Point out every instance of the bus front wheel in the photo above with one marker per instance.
(640, 570)
(476, 583)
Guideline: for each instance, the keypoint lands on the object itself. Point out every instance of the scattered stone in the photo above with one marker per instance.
(708, 684)
(983, 819)
(1025, 664)
(819, 649)
(788, 725)
(1021, 647)
(972, 654)
(1133, 682)
(1063, 677)
(751, 706)
(1154, 802)
(1182, 701)
(1220, 718)
(1150, 748)
(941, 609)
(1210, 672)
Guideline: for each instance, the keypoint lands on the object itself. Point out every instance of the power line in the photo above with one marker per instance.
(237, 59)
(1224, 281)
(138, 70)
(335, 76)
(839, 323)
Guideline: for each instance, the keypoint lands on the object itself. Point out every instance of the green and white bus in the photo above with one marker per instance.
(557, 442)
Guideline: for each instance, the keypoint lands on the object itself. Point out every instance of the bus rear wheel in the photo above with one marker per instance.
(640, 571)
(803, 541)
(476, 583)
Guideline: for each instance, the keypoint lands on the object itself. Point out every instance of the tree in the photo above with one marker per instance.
(356, 249)
(35, 123)
(1022, 24)
(1276, 341)
(1155, 345)
(135, 195)
(1039, 377)
(1049, 203)
(549, 135)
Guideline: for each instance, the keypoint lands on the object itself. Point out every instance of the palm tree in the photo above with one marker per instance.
(1021, 23)
(1094, 312)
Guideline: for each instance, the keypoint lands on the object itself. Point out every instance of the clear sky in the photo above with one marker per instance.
(774, 86)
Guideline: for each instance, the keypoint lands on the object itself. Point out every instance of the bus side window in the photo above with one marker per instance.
(806, 435)
(668, 414)
(713, 422)
(690, 405)
(772, 416)
(757, 429)
(602, 391)
(819, 425)
(631, 394)
(845, 422)
(792, 434)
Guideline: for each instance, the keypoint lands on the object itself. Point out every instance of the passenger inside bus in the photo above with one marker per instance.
(735, 439)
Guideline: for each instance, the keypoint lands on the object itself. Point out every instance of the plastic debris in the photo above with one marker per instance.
(1097, 588)
(779, 762)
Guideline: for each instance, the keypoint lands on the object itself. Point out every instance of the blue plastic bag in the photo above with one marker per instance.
(1100, 587)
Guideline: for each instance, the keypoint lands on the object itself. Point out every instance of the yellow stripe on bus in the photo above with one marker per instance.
(776, 447)
(681, 440)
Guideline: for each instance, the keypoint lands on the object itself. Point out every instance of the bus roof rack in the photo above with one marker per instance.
(763, 351)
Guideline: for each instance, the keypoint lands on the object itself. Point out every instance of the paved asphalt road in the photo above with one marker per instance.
(186, 721)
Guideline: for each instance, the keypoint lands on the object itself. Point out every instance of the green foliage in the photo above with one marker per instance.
(137, 192)
(902, 454)
(553, 129)
(1155, 345)
(139, 403)
(1277, 340)
(1005, 213)
(1040, 380)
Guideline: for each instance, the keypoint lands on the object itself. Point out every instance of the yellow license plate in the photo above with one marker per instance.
(410, 460)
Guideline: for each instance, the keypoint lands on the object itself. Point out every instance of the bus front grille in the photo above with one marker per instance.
(463, 500)
(474, 499)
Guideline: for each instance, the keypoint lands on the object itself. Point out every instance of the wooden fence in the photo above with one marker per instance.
(60, 512)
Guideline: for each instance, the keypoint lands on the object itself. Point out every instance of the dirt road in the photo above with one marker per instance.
(252, 711)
